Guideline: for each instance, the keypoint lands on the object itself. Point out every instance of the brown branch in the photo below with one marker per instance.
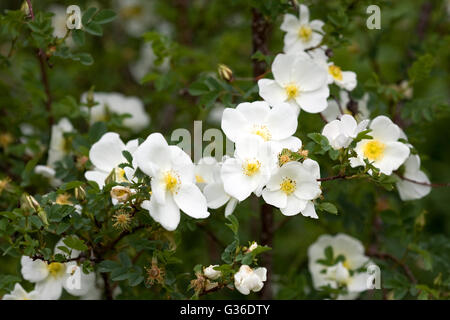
(433, 185)
(43, 60)
(388, 256)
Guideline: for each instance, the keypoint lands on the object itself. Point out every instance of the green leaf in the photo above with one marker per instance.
(93, 28)
(328, 207)
(78, 36)
(75, 243)
(70, 185)
(234, 225)
(88, 15)
(104, 16)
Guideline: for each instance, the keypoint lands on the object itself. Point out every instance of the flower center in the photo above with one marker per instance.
(63, 199)
(288, 186)
(346, 264)
(374, 149)
(172, 181)
(335, 72)
(262, 131)
(56, 269)
(305, 33)
(291, 91)
(251, 167)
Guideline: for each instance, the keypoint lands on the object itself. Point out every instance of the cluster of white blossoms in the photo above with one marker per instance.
(261, 132)
(51, 278)
(346, 268)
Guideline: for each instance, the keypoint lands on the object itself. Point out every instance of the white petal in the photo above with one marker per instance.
(168, 215)
(152, 154)
(384, 129)
(33, 271)
(314, 101)
(294, 206)
(97, 176)
(290, 23)
(191, 201)
(254, 112)
(235, 182)
(106, 154)
(282, 68)
(310, 211)
(282, 122)
(215, 195)
(234, 124)
(231, 205)
(309, 75)
(275, 198)
(348, 80)
(271, 91)
(395, 154)
(50, 288)
(303, 12)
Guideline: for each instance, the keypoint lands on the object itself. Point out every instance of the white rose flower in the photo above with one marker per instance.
(275, 125)
(173, 182)
(383, 151)
(247, 279)
(301, 33)
(19, 293)
(51, 278)
(299, 81)
(57, 150)
(293, 187)
(208, 175)
(250, 169)
(212, 274)
(343, 79)
(410, 190)
(333, 112)
(339, 274)
(119, 104)
(340, 133)
(106, 156)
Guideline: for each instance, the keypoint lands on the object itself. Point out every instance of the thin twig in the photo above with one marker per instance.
(406, 269)
(433, 185)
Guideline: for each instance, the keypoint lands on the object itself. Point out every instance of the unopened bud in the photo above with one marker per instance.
(120, 193)
(25, 8)
(253, 246)
(29, 203)
(225, 72)
(80, 193)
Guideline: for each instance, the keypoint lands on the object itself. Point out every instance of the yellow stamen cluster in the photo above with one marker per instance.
(374, 150)
(305, 33)
(335, 72)
(288, 186)
(171, 181)
(292, 91)
(251, 167)
(56, 269)
(63, 199)
(262, 131)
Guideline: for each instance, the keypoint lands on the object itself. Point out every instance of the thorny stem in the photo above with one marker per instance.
(42, 57)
